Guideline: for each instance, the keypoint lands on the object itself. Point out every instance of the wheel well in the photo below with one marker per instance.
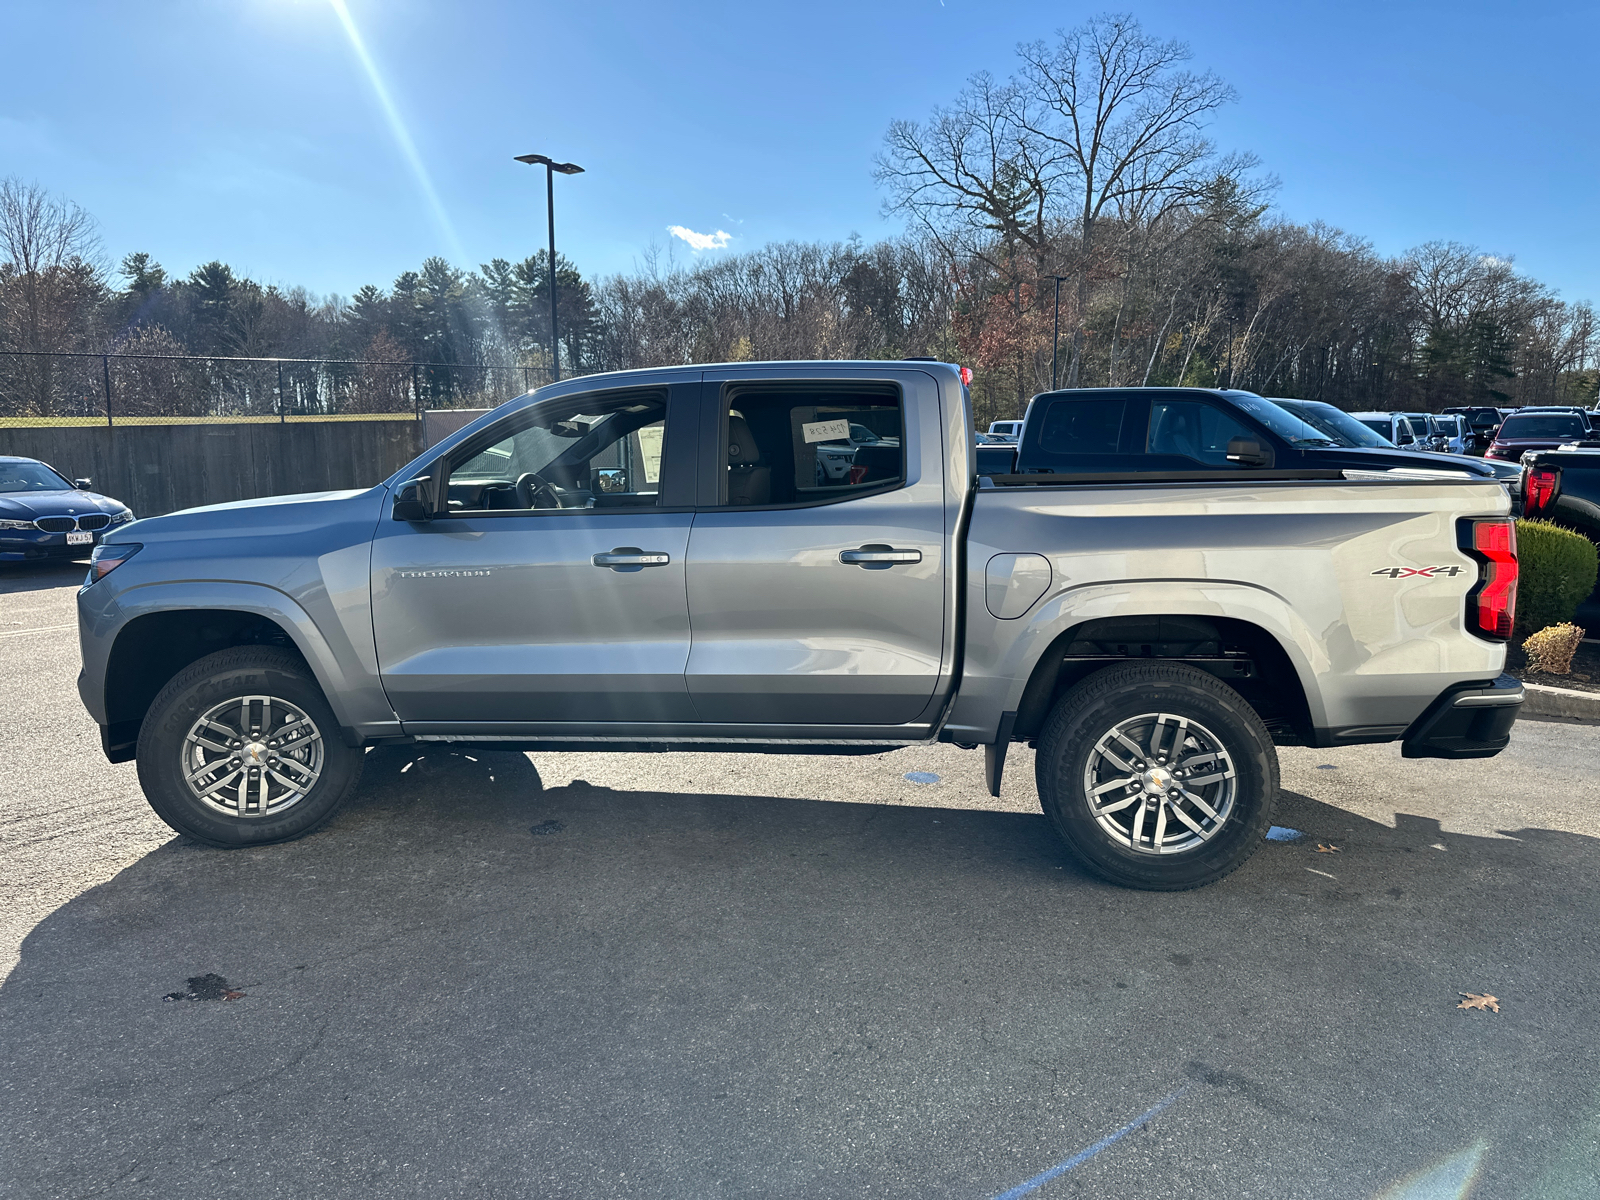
(1244, 656)
(153, 648)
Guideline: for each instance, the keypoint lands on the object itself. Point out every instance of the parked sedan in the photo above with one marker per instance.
(1523, 431)
(44, 515)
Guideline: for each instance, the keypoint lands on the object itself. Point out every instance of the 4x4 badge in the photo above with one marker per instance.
(1425, 572)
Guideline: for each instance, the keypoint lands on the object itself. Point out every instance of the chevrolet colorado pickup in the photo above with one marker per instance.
(654, 560)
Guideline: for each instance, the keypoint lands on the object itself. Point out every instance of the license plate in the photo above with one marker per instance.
(79, 538)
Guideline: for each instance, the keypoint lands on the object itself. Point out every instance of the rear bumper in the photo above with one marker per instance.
(1470, 720)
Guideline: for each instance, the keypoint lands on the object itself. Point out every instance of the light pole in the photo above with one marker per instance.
(550, 168)
(1055, 341)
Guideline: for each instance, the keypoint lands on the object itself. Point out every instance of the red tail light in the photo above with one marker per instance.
(966, 376)
(1539, 489)
(1492, 603)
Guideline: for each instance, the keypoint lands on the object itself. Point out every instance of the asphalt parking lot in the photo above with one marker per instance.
(504, 975)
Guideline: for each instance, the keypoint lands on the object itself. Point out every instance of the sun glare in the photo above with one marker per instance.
(397, 127)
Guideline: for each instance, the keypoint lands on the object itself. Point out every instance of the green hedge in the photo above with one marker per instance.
(1557, 573)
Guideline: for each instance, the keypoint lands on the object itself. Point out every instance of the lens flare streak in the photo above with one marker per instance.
(397, 127)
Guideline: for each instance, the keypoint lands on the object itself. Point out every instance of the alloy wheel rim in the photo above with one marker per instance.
(252, 756)
(1160, 783)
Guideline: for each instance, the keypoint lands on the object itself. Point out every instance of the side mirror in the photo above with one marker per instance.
(413, 500)
(1248, 452)
(82, 484)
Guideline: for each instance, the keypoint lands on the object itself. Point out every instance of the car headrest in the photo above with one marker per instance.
(742, 447)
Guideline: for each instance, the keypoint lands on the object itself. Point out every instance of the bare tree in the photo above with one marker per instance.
(972, 178)
(49, 275)
(1123, 122)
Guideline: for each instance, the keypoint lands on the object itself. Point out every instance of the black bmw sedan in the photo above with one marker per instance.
(45, 515)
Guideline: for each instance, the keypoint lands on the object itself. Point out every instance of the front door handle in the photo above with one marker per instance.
(631, 558)
(878, 557)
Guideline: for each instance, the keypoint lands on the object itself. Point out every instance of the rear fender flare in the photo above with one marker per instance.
(1246, 602)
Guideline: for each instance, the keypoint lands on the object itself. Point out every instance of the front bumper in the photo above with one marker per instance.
(1470, 720)
(27, 546)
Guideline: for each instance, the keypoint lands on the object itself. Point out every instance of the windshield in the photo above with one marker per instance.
(30, 477)
(1447, 425)
(1291, 428)
(1551, 425)
(1338, 426)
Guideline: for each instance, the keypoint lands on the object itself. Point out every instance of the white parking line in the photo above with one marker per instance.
(41, 629)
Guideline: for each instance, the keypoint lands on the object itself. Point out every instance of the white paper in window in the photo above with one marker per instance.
(826, 431)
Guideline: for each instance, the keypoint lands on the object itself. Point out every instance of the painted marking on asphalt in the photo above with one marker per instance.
(1324, 874)
(1084, 1155)
(922, 777)
(41, 629)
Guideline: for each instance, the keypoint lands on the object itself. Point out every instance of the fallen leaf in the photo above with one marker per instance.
(1484, 1002)
(1327, 848)
(233, 995)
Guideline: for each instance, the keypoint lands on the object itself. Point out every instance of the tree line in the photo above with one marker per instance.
(1081, 193)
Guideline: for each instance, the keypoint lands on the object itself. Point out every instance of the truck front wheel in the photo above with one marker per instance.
(1157, 775)
(241, 749)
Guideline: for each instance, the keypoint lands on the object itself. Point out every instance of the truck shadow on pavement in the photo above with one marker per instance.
(470, 984)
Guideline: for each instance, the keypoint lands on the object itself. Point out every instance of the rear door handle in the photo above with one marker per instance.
(631, 558)
(878, 558)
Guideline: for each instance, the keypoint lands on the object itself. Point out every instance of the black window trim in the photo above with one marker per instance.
(677, 452)
(718, 396)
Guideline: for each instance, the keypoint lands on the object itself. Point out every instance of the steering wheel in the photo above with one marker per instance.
(532, 488)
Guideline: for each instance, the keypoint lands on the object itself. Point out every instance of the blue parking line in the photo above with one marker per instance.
(1083, 1156)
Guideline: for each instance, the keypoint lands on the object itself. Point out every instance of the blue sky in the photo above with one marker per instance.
(249, 130)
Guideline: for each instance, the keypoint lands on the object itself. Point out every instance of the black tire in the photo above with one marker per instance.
(1070, 763)
(165, 755)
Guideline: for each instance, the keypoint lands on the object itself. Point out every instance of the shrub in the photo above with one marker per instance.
(1552, 649)
(1557, 573)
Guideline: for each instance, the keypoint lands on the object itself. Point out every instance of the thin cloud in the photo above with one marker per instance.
(701, 241)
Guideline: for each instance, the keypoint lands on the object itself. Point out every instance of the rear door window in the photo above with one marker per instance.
(797, 446)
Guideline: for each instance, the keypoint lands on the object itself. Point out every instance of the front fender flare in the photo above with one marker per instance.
(258, 600)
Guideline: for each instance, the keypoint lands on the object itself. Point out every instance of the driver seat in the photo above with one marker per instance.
(748, 481)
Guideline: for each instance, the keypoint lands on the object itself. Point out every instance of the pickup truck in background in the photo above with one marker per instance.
(1141, 430)
(652, 560)
(1564, 486)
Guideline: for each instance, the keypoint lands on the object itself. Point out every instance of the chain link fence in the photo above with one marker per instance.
(42, 389)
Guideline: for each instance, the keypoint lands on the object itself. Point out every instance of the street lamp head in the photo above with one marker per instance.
(543, 160)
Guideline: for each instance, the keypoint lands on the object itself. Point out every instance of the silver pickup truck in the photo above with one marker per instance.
(652, 560)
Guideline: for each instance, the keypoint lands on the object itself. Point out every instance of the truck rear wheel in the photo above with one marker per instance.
(241, 749)
(1157, 775)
